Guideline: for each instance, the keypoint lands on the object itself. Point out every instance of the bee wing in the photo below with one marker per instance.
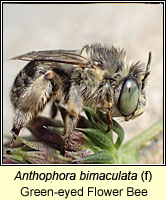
(61, 56)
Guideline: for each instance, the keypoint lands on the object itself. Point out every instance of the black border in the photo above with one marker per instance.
(82, 2)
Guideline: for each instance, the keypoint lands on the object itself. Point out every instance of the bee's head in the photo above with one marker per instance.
(132, 98)
(126, 81)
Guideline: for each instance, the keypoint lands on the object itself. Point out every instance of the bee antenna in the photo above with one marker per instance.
(147, 70)
(149, 61)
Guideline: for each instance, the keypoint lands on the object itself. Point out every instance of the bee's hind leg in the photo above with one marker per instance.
(74, 107)
(15, 133)
(31, 101)
(21, 118)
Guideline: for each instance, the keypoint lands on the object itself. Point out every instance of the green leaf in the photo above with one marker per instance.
(99, 138)
(53, 157)
(94, 120)
(89, 112)
(90, 145)
(99, 121)
(100, 157)
(35, 145)
(15, 155)
(119, 131)
(44, 154)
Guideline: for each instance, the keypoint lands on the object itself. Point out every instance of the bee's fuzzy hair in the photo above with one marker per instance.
(109, 56)
(114, 60)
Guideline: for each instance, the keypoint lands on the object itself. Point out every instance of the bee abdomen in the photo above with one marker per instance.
(24, 79)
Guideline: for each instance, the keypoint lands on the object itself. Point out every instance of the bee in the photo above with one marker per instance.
(96, 76)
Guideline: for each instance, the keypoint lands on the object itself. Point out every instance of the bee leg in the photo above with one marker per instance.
(54, 109)
(109, 118)
(21, 118)
(70, 124)
(15, 133)
(32, 100)
(74, 107)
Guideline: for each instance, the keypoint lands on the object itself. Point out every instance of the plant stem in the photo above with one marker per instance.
(147, 135)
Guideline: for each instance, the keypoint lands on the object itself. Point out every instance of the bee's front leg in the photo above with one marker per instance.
(108, 105)
(109, 119)
(74, 107)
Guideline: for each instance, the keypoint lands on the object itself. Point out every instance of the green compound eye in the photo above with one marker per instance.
(128, 99)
